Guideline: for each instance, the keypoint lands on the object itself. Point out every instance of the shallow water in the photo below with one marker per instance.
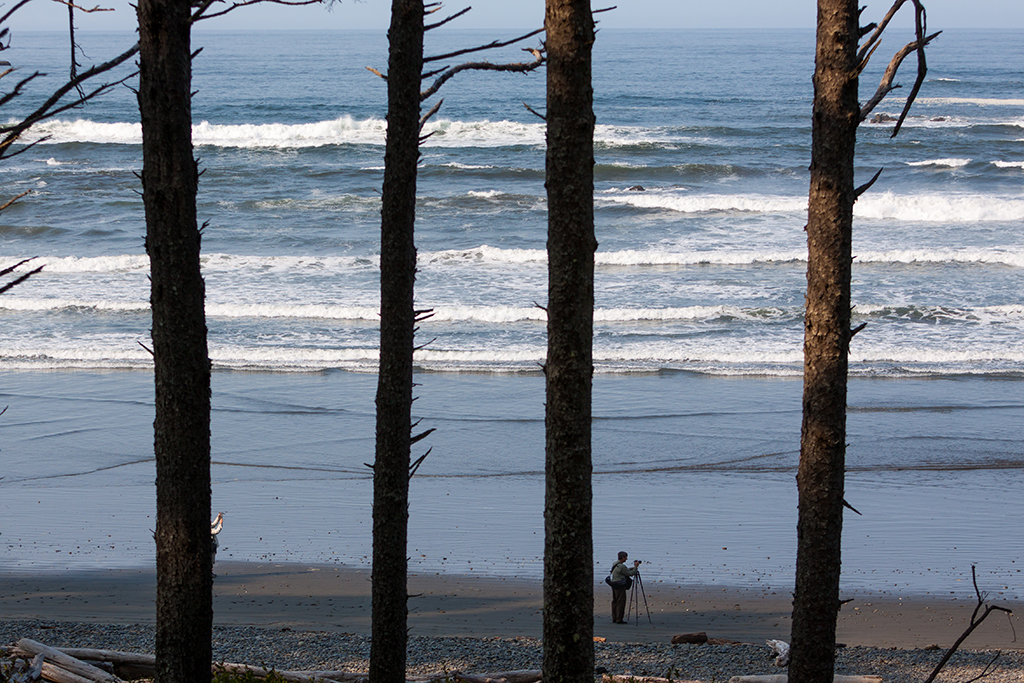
(693, 474)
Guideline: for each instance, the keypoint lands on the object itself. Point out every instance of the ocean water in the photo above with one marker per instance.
(698, 327)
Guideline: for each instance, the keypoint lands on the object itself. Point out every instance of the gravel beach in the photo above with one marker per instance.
(300, 617)
(319, 650)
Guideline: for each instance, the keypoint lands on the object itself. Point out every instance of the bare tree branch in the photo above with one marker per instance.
(426, 117)
(886, 86)
(490, 46)
(864, 188)
(50, 108)
(535, 112)
(72, 5)
(74, 58)
(921, 27)
(974, 623)
(519, 67)
(4, 18)
(428, 27)
(200, 13)
(876, 36)
(17, 88)
(17, 281)
(10, 269)
(11, 201)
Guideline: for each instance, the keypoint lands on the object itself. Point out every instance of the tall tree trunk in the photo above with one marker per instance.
(182, 367)
(820, 479)
(397, 321)
(568, 539)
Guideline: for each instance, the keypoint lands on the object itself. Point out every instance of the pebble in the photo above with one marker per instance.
(321, 650)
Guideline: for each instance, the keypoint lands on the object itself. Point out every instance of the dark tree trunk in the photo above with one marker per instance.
(184, 607)
(568, 541)
(397, 321)
(820, 479)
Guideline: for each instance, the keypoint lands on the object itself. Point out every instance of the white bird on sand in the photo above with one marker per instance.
(215, 528)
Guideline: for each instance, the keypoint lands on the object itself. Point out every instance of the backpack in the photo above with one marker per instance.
(625, 583)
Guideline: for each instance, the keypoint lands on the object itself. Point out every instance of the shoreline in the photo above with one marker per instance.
(329, 598)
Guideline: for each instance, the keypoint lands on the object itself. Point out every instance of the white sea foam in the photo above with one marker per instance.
(58, 304)
(484, 254)
(466, 167)
(448, 133)
(949, 163)
(60, 131)
(92, 264)
(942, 208)
(1008, 164)
(347, 130)
(687, 258)
(213, 262)
(983, 256)
(702, 203)
(314, 311)
(979, 101)
(939, 208)
(997, 315)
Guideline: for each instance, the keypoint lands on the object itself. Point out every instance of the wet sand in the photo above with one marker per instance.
(333, 598)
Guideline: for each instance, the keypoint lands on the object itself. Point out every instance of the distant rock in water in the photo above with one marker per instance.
(636, 188)
(883, 118)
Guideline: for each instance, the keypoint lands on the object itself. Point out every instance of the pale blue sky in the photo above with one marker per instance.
(373, 14)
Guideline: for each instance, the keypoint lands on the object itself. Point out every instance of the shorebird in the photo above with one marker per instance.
(215, 528)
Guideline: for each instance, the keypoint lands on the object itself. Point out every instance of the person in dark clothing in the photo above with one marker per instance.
(620, 580)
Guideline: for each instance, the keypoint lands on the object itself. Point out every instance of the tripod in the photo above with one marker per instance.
(638, 583)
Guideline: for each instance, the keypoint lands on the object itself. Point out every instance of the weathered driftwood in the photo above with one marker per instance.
(35, 669)
(608, 678)
(783, 678)
(67, 662)
(72, 665)
(262, 672)
(112, 656)
(127, 665)
(698, 638)
(339, 676)
(521, 676)
(58, 674)
(21, 671)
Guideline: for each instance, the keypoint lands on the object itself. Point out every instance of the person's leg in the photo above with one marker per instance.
(618, 604)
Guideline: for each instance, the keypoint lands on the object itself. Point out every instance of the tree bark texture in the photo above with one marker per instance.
(820, 479)
(397, 322)
(568, 545)
(184, 607)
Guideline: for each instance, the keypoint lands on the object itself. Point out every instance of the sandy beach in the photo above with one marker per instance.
(337, 599)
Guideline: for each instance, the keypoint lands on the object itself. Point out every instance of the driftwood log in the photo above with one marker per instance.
(783, 678)
(79, 665)
(54, 658)
(608, 678)
(698, 638)
(57, 674)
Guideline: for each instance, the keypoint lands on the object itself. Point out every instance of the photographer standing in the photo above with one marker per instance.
(621, 580)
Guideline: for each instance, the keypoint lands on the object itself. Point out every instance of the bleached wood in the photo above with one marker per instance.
(57, 674)
(783, 678)
(112, 656)
(66, 661)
